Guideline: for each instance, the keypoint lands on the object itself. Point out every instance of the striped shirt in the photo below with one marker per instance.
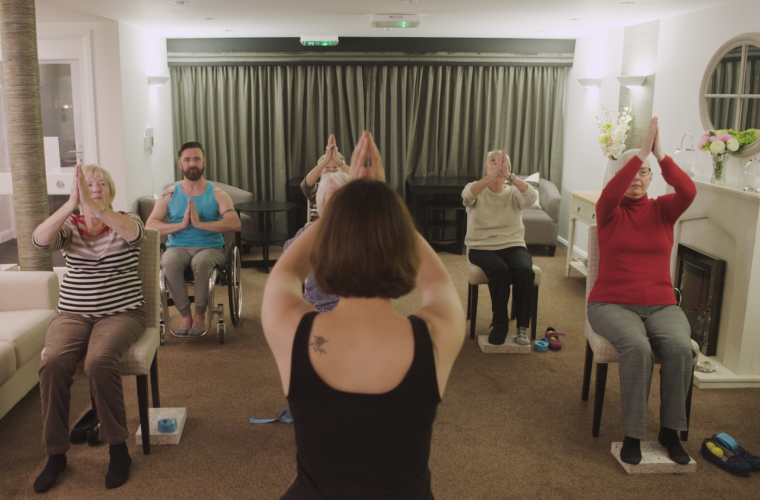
(101, 270)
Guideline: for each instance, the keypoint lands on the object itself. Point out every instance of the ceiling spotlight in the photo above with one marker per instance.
(228, 29)
(209, 18)
(395, 20)
(181, 2)
(628, 3)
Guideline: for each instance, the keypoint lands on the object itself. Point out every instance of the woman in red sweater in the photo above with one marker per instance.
(632, 303)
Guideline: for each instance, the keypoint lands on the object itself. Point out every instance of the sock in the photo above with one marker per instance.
(118, 468)
(55, 465)
(630, 453)
(669, 439)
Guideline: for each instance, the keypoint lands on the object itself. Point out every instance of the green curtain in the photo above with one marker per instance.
(262, 125)
(442, 120)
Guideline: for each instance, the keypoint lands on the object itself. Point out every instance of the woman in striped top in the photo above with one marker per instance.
(101, 313)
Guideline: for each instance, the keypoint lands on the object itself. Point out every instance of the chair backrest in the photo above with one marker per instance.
(147, 270)
(592, 266)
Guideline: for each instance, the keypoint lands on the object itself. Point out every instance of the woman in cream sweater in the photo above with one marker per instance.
(496, 243)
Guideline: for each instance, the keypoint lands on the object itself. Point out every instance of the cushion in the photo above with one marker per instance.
(7, 362)
(25, 331)
(533, 181)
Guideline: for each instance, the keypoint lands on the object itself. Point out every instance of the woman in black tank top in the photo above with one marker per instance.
(362, 381)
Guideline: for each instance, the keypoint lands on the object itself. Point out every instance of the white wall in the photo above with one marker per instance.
(686, 44)
(141, 55)
(584, 163)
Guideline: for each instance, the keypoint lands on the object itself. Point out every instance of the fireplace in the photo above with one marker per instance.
(699, 289)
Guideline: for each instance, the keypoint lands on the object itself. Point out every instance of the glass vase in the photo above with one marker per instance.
(751, 176)
(719, 168)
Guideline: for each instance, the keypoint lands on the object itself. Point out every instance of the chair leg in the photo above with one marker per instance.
(601, 383)
(474, 309)
(142, 403)
(685, 434)
(534, 313)
(154, 382)
(469, 299)
(587, 372)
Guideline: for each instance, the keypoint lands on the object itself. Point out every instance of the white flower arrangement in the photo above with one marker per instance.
(613, 131)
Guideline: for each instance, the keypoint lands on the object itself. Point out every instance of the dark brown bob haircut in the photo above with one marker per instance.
(366, 243)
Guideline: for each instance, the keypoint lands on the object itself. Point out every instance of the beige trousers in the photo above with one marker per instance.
(101, 342)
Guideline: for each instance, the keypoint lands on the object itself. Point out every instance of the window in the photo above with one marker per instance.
(730, 91)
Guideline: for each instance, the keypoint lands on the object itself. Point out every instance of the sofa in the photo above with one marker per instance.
(28, 301)
(542, 224)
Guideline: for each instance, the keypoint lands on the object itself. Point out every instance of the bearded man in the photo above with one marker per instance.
(197, 213)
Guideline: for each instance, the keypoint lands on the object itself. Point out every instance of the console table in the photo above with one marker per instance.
(582, 208)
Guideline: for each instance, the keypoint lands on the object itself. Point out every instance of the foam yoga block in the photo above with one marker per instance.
(654, 460)
(509, 346)
(156, 414)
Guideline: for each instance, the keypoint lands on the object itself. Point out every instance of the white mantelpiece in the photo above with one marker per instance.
(723, 222)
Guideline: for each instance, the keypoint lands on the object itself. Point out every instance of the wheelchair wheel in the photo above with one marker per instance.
(234, 283)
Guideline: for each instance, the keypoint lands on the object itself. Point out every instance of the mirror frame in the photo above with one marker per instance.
(704, 112)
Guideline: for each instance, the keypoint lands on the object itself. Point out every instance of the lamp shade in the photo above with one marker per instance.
(590, 82)
(632, 80)
(157, 80)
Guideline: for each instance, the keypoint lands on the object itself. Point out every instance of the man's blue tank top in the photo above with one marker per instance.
(208, 210)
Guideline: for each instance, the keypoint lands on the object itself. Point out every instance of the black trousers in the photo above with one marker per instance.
(507, 267)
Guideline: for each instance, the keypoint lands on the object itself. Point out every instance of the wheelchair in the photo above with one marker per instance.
(227, 275)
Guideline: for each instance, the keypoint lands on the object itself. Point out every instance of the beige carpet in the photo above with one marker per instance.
(510, 426)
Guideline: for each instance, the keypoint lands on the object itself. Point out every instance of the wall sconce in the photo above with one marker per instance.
(632, 81)
(590, 82)
(157, 80)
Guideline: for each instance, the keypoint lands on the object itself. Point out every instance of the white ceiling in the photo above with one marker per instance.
(440, 18)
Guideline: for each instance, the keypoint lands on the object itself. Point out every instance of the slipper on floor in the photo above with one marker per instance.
(541, 345)
(729, 442)
(553, 338)
(83, 426)
(714, 451)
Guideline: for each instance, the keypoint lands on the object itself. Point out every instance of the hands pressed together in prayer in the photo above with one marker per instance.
(366, 148)
(82, 197)
(651, 142)
(499, 166)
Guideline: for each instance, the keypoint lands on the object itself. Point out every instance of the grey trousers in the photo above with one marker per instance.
(101, 341)
(637, 331)
(202, 260)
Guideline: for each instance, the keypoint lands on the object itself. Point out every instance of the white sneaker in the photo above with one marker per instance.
(522, 336)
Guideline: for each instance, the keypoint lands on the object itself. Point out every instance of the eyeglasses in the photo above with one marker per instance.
(644, 172)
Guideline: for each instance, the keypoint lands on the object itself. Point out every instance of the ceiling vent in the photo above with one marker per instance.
(395, 20)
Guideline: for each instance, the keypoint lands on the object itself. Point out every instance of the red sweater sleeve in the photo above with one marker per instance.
(613, 192)
(675, 204)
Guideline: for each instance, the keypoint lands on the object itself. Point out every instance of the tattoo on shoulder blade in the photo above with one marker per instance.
(317, 344)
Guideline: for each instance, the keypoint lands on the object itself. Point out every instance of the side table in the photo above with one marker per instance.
(264, 209)
(582, 208)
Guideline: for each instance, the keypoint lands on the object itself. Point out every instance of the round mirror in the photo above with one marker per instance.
(729, 97)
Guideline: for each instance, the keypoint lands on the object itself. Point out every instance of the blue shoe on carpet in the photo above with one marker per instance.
(730, 443)
(722, 456)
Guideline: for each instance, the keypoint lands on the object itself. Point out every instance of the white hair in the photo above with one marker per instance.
(338, 178)
(613, 168)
